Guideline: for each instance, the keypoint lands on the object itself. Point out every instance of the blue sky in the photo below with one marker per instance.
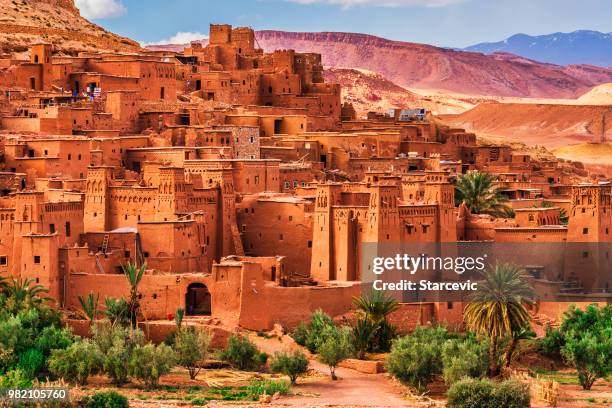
(452, 23)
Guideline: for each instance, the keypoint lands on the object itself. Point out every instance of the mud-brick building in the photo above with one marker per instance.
(231, 68)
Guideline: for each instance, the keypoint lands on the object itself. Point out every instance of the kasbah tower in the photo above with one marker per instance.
(247, 187)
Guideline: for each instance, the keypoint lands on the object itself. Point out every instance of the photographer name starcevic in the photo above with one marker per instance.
(423, 285)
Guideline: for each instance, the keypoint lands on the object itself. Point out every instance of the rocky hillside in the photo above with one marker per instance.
(25, 22)
(428, 67)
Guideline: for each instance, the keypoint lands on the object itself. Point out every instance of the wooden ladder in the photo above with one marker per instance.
(105, 243)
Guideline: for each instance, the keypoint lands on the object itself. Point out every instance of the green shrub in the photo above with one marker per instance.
(300, 333)
(552, 342)
(240, 352)
(319, 322)
(77, 362)
(106, 399)
(149, 362)
(588, 342)
(15, 378)
(191, 348)
(464, 358)
(53, 338)
(591, 354)
(31, 362)
(512, 394)
(292, 364)
(416, 359)
(471, 393)
(269, 387)
(334, 346)
(483, 393)
(117, 344)
(262, 358)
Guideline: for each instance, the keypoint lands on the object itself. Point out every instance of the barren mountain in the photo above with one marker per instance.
(26, 22)
(369, 91)
(428, 67)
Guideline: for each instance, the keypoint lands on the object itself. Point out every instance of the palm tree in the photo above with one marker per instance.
(134, 275)
(89, 305)
(178, 318)
(376, 306)
(23, 293)
(524, 333)
(363, 334)
(479, 193)
(117, 311)
(497, 308)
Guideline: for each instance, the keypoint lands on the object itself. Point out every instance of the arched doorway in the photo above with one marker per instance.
(198, 300)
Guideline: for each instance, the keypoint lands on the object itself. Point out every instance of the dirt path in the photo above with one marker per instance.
(351, 389)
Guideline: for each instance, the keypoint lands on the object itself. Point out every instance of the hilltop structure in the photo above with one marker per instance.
(245, 185)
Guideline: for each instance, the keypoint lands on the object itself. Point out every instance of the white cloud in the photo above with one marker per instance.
(382, 3)
(101, 8)
(182, 37)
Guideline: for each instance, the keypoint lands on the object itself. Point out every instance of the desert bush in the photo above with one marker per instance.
(512, 394)
(291, 363)
(483, 393)
(591, 354)
(319, 322)
(415, 359)
(309, 334)
(300, 333)
(149, 362)
(552, 342)
(77, 362)
(117, 344)
(464, 358)
(262, 358)
(587, 342)
(191, 348)
(471, 393)
(31, 362)
(53, 338)
(105, 399)
(269, 387)
(15, 378)
(240, 352)
(335, 345)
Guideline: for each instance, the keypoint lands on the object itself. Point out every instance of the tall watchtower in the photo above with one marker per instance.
(96, 218)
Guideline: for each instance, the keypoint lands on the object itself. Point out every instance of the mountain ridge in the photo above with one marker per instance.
(580, 46)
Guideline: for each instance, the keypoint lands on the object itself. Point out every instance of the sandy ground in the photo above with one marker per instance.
(351, 389)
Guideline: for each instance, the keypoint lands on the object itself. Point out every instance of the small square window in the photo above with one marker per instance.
(36, 259)
(3, 260)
